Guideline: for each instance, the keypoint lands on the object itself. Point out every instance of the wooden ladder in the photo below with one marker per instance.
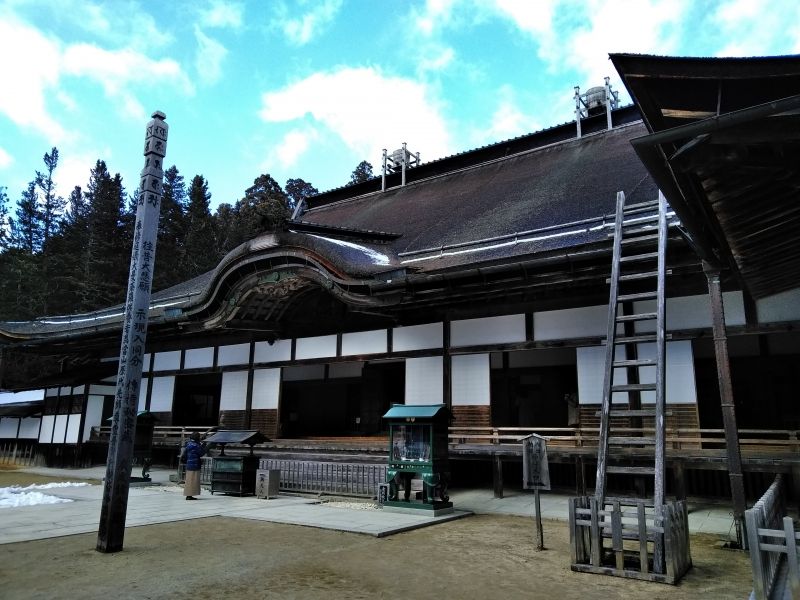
(637, 274)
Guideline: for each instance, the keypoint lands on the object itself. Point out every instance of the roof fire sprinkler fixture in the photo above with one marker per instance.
(399, 160)
(593, 102)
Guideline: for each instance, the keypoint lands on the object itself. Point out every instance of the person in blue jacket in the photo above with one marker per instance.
(192, 453)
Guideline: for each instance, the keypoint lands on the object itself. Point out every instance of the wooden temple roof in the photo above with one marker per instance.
(724, 147)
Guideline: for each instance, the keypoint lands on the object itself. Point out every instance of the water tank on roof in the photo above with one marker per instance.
(596, 100)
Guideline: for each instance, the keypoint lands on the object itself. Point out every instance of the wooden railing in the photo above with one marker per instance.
(773, 545)
(750, 440)
(166, 435)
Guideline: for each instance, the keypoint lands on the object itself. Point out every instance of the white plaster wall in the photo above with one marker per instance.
(12, 397)
(320, 346)
(8, 427)
(417, 337)
(364, 342)
(587, 321)
(73, 428)
(470, 380)
(29, 428)
(167, 361)
(237, 354)
(265, 352)
(691, 312)
(679, 365)
(60, 429)
(780, 307)
(424, 380)
(142, 395)
(162, 394)
(94, 412)
(266, 388)
(489, 330)
(199, 358)
(591, 372)
(234, 391)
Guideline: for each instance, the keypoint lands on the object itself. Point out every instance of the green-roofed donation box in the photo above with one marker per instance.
(419, 469)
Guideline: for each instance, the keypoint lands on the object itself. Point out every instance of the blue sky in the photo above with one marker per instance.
(309, 89)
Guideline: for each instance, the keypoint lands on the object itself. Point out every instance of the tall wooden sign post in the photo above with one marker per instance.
(535, 476)
(131, 355)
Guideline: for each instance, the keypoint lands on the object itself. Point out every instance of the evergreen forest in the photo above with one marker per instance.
(67, 255)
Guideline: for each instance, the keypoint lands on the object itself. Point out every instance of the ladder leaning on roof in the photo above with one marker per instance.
(649, 538)
(637, 274)
(635, 229)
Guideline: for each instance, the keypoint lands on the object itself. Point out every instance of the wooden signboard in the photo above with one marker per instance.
(535, 471)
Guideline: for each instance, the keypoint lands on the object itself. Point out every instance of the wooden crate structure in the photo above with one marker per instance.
(626, 539)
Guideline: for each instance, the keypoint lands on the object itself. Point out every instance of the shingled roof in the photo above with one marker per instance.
(546, 198)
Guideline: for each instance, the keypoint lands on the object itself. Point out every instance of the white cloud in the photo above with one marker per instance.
(74, 168)
(293, 145)
(5, 158)
(30, 66)
(508, 120)
(366, 109)
(117, 70)
(300, 30)
(751, 28)
(222, 14)
(210, 54)
(580, 35)
(435, 15)
(439, 60)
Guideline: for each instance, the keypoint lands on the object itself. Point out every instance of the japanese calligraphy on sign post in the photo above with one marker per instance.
(134, 333)
(536, 473)
(536, 476)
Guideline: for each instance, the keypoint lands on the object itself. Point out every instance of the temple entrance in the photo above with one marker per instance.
(196, 400)
(343, 402)
(527, 393)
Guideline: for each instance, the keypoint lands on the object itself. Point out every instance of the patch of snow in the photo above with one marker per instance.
(376, 257)
(14, 496)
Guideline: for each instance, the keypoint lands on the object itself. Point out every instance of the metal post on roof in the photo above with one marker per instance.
(578, 111)
(405, 161)
(609, 98)
(114, 508)
(383, 173)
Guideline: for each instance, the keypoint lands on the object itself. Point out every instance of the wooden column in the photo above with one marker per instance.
(114, 508)
(726, 399)
(497, 475)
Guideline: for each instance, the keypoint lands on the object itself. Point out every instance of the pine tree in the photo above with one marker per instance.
(171, 232)
(5, 225)
(67, 255)
(200, 244)
(298, 190)
(52, 206)
(106, 260)
(362, 172)
(27, 228)
(265, 207)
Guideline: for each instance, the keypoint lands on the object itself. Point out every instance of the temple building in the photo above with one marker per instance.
(479, 281)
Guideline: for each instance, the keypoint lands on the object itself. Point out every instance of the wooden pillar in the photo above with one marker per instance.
(497, 475)
(580, 476)
(726, 399)
(679, 479)
(447, 367)
(248, 401)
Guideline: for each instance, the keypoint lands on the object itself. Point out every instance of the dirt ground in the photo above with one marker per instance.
(11, 476)
(481, 557)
